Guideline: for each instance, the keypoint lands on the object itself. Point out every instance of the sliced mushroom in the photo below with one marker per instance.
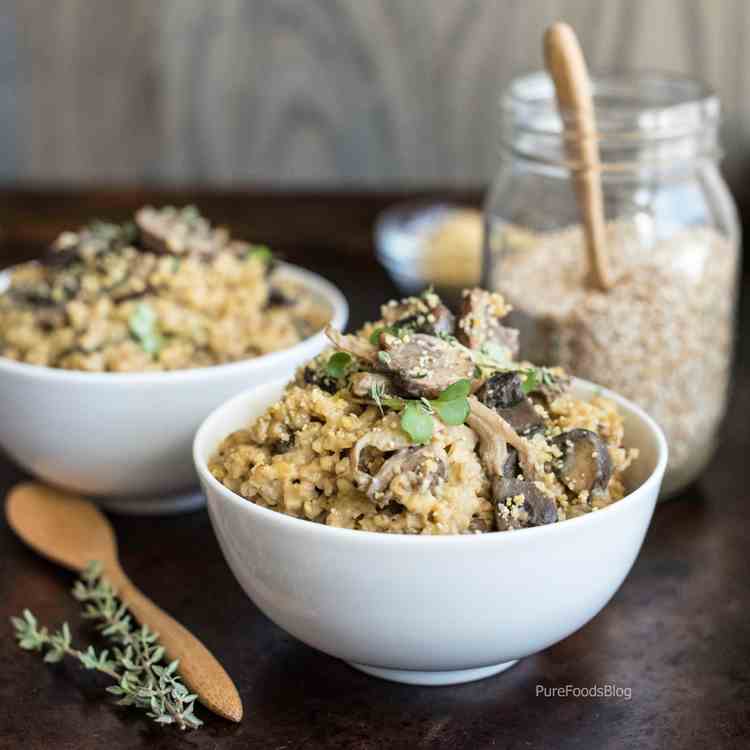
(488, 423)
(179, 232)
(60, 256)
(279, 298)
(538, 507)
(354, 345)
(510, 467)
(313, 375)
(480, 325)
(585, 464)
(362, 384)
(425, 365)
(478, 525)
(422, 469)
(420, 315)
(503, 393)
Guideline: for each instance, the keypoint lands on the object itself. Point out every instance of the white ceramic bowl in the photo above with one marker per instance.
(125, 438)
(430, 610)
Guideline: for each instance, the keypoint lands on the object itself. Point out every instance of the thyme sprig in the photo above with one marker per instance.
(135, 662)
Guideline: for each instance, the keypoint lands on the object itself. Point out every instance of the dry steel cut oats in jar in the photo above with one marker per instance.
(662, 335)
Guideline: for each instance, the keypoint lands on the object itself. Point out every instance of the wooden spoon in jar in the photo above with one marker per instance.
(72, 532)
(567, 67)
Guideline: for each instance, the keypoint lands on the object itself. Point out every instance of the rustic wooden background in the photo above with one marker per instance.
(368, 93)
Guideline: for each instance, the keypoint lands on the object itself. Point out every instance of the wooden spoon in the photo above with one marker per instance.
(72, 532)
(567, 68)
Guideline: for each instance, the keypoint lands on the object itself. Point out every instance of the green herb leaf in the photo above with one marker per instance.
(452, 412)
(459, 389)
(531, 381)
(143, 326)
(261, 253)
(338, 364)
(417, 423)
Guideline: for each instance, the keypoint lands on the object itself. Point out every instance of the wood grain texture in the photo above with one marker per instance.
(332, 92)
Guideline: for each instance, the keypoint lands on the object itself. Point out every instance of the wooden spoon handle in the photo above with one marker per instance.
(567, 68)
(200, 670)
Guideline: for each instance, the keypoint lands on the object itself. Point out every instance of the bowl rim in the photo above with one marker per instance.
(331, 293)
(630, 500)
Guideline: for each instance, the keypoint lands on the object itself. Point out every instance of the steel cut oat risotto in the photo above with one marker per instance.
(166, 291)
(424, 424)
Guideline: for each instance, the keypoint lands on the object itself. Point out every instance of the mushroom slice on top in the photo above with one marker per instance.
(480, 325)
(422, 469)
(503, 393)
(425, 365)
(585, 464)
(538, 507)
(179, 232)
(354, 345)
(425, 314)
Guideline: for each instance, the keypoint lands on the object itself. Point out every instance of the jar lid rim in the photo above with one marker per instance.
(645, 103)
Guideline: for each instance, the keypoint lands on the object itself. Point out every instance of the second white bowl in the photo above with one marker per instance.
(124, 438)
(430, 610)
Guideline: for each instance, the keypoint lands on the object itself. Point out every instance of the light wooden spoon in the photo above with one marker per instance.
(567, 68)
(72, 532)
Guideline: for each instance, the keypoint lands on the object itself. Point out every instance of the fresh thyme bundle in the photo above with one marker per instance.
(136, 660)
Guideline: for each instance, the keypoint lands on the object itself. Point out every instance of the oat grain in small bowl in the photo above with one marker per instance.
(424, 423)
(165, 291)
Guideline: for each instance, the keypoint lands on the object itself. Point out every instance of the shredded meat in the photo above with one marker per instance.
(490, 425)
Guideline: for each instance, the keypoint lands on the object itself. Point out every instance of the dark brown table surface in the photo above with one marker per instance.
(676, 635)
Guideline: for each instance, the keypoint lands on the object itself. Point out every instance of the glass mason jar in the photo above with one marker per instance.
(663, 334)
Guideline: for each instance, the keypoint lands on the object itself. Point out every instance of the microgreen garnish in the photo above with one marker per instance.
(417, 422)
(452, 406)
(338, 364)
(459, 389)
(143, 326)
(530, 381)
(259, 252)
(136, 665)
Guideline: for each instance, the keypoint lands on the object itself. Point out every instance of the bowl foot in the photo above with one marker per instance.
(449, 677)
(170, 505)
